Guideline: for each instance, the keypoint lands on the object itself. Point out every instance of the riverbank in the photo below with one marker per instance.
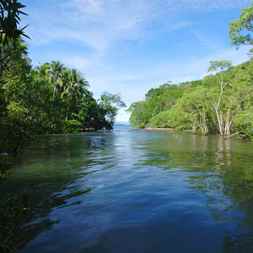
(159, 129)
(173, 130)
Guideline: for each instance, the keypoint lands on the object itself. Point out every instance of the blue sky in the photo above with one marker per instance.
(130, 46)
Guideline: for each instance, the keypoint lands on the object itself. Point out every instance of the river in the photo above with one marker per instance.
(130, 191)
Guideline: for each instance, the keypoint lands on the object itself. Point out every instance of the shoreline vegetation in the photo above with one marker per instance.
(173, 130)
(201, 107)
(221, 103)
(47, 99)
(159, 129)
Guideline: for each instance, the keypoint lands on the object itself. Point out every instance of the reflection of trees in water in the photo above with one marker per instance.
(36, 186)
(222, 169)
(180, 151)
(230, 193)
(223, 152)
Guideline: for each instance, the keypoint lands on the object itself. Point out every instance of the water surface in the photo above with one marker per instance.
(133, 191)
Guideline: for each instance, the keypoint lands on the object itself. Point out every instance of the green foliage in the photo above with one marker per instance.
(220, 103)
(244, 123)
(109, 104)
(174, 119)
(242, 28)
(157, 100)
(16, 111)
(140, 115)
(49, 99)
(10, 31)
(72, 126)
(10, 12)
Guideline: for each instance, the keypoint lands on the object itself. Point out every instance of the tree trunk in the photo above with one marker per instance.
(228, 123)
(219, 118)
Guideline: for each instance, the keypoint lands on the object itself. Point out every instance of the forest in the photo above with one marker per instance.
(46, 99)
(220, 103)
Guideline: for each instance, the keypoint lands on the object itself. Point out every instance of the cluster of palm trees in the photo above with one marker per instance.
(65, 97)
(67, 85)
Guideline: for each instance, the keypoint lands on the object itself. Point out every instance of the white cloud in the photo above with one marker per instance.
(96, 23)
(99, 23)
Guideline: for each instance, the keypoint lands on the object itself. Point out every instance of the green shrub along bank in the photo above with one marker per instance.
(221, 103)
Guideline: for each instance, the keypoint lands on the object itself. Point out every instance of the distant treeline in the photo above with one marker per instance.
(221, 103)
(47, 99)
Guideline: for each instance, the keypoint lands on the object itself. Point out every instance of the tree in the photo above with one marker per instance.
(157, 100)
(10, 30)
(241, 30)
(224, 121)
(140, 114)
(109, 105)
(66, 102)
(10, 12)
(13, 109)
(196, 108)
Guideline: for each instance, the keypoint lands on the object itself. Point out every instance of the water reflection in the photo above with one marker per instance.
(223, 171)
(130, 190)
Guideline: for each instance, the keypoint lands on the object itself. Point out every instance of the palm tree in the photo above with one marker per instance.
(10, 31)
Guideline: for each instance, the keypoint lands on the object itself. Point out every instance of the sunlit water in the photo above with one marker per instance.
(135, 191)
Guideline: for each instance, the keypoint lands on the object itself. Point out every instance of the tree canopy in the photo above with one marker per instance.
(241, 30)
(50, 98)
(10, 18)
(219, 103)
